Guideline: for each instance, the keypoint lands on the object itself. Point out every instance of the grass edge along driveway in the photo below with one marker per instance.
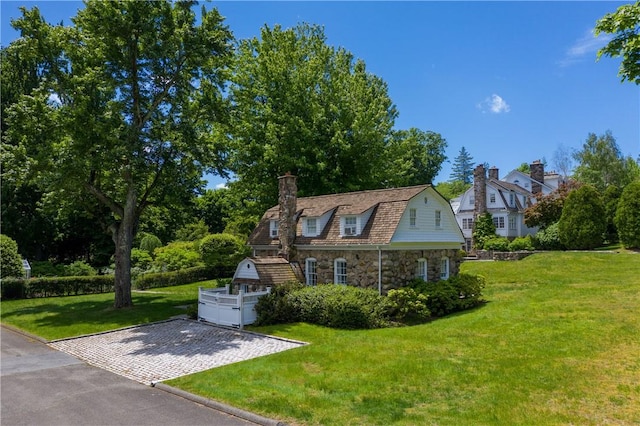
(558, 343)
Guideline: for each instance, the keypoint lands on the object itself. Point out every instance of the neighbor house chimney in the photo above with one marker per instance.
(287, 193)
(537, 175)
(479, 191)
(493, 173)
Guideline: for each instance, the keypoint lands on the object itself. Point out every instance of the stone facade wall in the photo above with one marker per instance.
(479, 191)
(287, 200)
(398, 267)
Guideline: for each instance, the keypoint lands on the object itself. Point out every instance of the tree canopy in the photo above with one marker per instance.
(624, 25)
(126, 108)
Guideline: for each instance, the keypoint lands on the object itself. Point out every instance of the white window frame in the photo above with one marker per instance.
(422, 269)
(467, 223)
(492, 197)
(438, 218)
(350, 229)
(311, 271)
(472, 201)
(512, 223)
(444, 268)
(274, 231)
(312, 231)
(413, 214)
(512, 199)
(498, 222)
(340, 271)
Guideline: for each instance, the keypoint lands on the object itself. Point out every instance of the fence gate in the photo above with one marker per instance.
(217, 306)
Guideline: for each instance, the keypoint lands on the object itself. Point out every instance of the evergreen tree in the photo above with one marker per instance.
(583, 223)
(462, 167)
(627, 218)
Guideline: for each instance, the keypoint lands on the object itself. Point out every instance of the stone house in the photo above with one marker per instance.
(506, 199)
(378, 239)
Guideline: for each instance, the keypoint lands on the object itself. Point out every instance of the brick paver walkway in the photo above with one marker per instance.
(161, 351)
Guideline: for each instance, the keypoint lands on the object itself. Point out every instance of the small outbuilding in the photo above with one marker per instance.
(255, 274)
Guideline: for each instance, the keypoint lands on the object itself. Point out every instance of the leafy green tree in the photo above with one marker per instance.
(462, 169)
(600, 163)
(194, 231)
(177, 255)
(125, 110)
(78, 269)
(610, 199)
(624, 24)
(223, 250)
(524, 168)
(149, 243)
(304, 107)
(483, 230)
(583, 223)
(548, 208)
(213, 207)
(627, 217)
(415, 157)
(10, 259)
(452, 189)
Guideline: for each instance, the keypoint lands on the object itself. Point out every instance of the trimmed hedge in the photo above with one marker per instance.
(56, 286)
(183, 276)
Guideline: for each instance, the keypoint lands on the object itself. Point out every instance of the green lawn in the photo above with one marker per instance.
(558, 343)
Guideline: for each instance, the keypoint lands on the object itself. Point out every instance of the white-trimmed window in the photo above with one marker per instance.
(413, 213)
(472, 201)
(492, 197)
(350, 225)
(311, 271)
(438, 218)
(444, 268)
(498, 222)
(312, 227)
(467, 223)
(512, 199)
(421, 270)
(512, 223)
(273, 228)
(340, 271)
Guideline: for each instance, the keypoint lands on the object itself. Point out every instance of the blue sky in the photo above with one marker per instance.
(509, 81)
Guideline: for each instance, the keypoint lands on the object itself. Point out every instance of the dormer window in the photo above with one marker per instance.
(273, 228)
(312, 227)
(350, 225)
(492, 197)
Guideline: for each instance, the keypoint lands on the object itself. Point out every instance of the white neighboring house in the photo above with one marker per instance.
(506, 199)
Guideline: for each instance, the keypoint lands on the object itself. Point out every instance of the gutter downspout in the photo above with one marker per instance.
(379, 271)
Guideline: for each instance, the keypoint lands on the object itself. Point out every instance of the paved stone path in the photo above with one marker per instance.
(162, 351)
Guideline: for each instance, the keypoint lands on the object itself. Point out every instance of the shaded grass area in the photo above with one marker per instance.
(59, 317)
(558, 343)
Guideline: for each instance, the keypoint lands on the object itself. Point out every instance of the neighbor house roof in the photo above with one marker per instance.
(387, 206)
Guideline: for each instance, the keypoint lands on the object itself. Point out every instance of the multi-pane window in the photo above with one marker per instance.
(492, 197)
(444, 268)
(421, 271)
(438, 218)
(467, 223)
(350, 225)
(312, 227)
(512, 199)
(498, 222)
(340, 271)
(412, 217)
(472, 201)
(512, 223)
(311, 271)
(273, 228)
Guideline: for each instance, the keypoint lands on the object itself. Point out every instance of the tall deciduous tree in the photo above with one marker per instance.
(583, 223)
(624, 24)
(125, 112)
(304, 107)
(414, 157)
(462, 169)
(600, 163)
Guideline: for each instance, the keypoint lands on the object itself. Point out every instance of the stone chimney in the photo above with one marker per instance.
(287, 196)
(493, 173)
(537, 175)
(479, 191)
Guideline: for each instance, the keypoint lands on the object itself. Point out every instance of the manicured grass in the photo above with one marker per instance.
(558, 343)
(59, 317)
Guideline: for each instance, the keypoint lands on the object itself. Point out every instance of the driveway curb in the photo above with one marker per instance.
(246, 415)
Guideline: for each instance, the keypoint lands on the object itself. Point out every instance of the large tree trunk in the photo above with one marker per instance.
(123, 234)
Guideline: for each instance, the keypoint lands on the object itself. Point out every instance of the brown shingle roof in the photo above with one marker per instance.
(273, 270)
(387, 204)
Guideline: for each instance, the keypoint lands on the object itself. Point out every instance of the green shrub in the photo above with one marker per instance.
(273, 308)
(69, 286)
(13, 288)
(192, 231)
(223, 250)
(140, 259)
(457, 293)
(79, 269)
(44, 268)
(184, 276)
(627, 217)
(408, 305)
(521, 243)
(483, 230)
(10, 259)
(496, 244)
(177, 255)
(583, 222)
(149, 243)
(548, 239)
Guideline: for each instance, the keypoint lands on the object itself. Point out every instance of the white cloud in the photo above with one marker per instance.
(494, 104)
(221, 185)
(586, 46)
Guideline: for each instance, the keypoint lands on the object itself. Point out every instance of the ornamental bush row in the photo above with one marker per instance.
(56, 286)
(183, 276)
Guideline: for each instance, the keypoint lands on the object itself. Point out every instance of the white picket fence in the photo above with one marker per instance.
(217, 306)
